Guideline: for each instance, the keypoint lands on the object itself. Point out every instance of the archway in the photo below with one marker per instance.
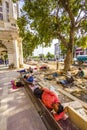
(13, 45)
(3, 54)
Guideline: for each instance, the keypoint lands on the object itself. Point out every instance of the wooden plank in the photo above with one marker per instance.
(49, 117)
(77, 119)
(72, 97)
(74, 104)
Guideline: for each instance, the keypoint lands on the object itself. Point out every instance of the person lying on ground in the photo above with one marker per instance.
(69, 79)
(29, 78)
(43, 67)
(30, 70)
(22, 71)
(51, 76)
(51, 101)
(31, 82)
(80, 73)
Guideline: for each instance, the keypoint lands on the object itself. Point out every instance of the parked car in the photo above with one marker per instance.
(61, 60)
(75, 61)
(82, 59)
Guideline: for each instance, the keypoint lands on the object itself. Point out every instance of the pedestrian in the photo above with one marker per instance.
(80, 73)
(57, 64)
(30, 70)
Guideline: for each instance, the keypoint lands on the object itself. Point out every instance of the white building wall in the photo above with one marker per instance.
(9, 33)
(16, 53)
(15, 11)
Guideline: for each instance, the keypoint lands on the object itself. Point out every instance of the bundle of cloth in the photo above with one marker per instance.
(16, 83)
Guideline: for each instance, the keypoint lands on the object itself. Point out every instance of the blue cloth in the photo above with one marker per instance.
(30, 79)
(22, 71)
(64, 82)
(55, 75)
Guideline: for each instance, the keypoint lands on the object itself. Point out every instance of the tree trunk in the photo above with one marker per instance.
(69, 55)
(68, 60)
(57, 65)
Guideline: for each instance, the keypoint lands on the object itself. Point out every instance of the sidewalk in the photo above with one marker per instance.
(3, 67)
(17, 112)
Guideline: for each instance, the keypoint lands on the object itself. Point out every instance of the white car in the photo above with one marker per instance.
(61, 60)
(74, 59)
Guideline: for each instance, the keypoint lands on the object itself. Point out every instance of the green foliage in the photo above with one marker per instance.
(41, 56)
(82, 42)
(35, 57)
(44, 20)
(5, 56)
(49, 55)
(22, 23)
(14, 1)
(63, 50)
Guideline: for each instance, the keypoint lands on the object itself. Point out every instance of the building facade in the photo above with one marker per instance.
(80, 51)
(10, 42)
(57, 51)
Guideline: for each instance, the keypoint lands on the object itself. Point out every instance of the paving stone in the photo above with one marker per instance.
(25, 121)
(82, 113)
(16, 109)
(74, 104)
(1, 91)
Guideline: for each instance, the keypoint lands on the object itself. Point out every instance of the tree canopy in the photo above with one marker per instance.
(44, 20)
(49, 55)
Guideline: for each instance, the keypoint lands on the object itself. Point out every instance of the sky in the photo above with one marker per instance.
(45, 50)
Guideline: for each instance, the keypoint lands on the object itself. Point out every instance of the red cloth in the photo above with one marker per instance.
(49, 97)
(35, 68)
(57, 117)
(13, 84)
(43, 67)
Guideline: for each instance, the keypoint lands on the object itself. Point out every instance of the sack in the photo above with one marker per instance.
(19, 84)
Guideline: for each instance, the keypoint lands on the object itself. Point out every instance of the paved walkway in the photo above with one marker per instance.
(17, 112)
(3, 67)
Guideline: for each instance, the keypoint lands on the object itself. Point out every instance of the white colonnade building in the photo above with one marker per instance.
(9, 37)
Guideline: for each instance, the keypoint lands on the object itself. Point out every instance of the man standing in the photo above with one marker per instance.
(57, 64)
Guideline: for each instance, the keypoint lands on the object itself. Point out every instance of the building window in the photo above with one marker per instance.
(1, 16)
(7, 11)
(0, 2)
(1, 11)
(0, 8)
(7, 7)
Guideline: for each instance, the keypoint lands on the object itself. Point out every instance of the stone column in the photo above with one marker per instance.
(20, 53)
(16, 54)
